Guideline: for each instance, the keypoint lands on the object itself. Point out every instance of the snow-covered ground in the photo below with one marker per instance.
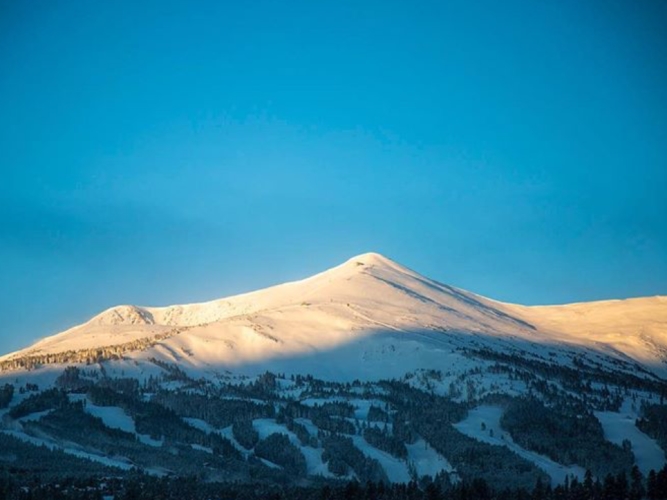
(621, 426)
(491, 432)
(200, 424)
(308, 424)
(314, 464)
(116, 418)
(78, 452)
(229, 434)
(362, 406)
(112, 416)
(426, 460)
(33, 417)
(396, 469)
(226, 432)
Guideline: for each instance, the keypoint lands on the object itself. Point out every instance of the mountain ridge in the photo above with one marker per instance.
(366, 295)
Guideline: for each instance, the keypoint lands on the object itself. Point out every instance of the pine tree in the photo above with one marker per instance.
(609, 487)
(636, 484)
(661, 484)
(651, 485)
(589, 485)
(621, 486)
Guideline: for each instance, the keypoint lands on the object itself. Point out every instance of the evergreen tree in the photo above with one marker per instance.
(621, 486)
(661, 483)
(652, 485)
(636, 484)
(589, 485)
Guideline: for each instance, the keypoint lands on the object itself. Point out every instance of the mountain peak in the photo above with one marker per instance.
(124, 315)
(371, 259)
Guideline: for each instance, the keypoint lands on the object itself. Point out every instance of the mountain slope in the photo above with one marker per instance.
(635, 327)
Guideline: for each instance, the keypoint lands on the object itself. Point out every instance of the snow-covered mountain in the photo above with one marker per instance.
(368, 370)
(368, 317)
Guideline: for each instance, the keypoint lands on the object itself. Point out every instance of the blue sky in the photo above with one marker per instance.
(167, 152)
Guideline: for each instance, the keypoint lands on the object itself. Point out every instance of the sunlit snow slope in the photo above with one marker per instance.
(369, 317)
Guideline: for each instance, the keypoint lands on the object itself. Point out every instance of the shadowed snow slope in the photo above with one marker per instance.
(371, 310)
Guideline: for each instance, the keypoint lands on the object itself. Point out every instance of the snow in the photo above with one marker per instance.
(314, 464)
(620, 426)
(116, 418)
(396, 469)
(112, 462)
(490, 416)
(199, 447)
(200, 424)
(267, 426)
(309, 425)
(426, 460)
(112, 416)
(33, 417)
(635, 327)
(270, 464)
(362, 406)
(322, 401)
(368, 318)
(229, 434)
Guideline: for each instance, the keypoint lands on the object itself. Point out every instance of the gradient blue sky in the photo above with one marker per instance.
(167, 152)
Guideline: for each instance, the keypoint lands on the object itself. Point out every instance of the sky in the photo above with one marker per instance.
(168, 152)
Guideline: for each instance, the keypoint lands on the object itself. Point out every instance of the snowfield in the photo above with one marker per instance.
(116, 418)
(491, 432)
(314, 464)
(621, 426)
(426, 460)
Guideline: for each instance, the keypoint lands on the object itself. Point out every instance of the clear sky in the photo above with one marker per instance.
(167, 152)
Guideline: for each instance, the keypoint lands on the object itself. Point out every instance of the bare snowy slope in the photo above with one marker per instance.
(635, 327)
(368, 317)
